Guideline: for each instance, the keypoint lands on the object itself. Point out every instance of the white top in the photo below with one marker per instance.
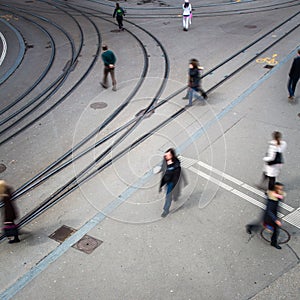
(187, 10)
(273, 170)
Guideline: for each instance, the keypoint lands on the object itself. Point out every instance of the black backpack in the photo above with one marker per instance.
(277, 160)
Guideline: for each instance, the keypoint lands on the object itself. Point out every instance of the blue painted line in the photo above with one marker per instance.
(20, 55)
(74, 238)
(98, 218)
(235, 102)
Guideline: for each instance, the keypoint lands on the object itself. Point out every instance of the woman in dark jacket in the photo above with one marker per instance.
(10, 214)
(171, 176)
(195, 83)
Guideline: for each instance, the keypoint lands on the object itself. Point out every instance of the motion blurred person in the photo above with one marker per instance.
(119, 13)
(10, 214)
(273, 161)
(270, 219)
(182, 182)
(194, 83)
(186, 15)
(294, 76)
(170, 178)
(109, 60)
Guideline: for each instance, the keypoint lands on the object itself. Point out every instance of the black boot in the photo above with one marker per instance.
(204, 95)
(15, 240)
(275, 245)
(248, 229)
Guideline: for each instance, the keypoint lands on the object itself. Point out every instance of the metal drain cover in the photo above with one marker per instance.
(87, 244)
(2, 168)
(98, 105)
(61, 234)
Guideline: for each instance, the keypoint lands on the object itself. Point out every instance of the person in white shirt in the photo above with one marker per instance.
(186, 15)
(273, 161)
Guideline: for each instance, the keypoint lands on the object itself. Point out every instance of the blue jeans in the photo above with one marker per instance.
(193, 93)
(168, 197)
(292, 86)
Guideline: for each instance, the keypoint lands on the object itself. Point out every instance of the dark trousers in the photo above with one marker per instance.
(274, 235)
(271, 181)
(112, 74)
(168, 197)
(256, 226)
(120, 22)
(292, 85)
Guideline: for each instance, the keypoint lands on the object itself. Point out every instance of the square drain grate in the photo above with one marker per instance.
(86, 244)
(62, 233)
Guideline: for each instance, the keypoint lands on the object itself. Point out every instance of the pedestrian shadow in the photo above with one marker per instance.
(32, 238)
(293, 102)
(191, 202)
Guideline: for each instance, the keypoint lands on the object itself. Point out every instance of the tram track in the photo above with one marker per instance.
(159, 12)
(110, 118)
(115, 113)
(44, 73)
(55, 85)
(84, 176)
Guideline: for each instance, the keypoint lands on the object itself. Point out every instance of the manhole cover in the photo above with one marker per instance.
(299, 115)
(250, 26)
(2, 168)
(283, 235)
(141, 112)
(61, 234)
(87, 244)
(98, 105)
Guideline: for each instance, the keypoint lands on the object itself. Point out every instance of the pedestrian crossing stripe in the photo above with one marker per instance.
(293, 218)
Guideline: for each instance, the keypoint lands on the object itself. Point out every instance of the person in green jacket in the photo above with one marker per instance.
(119, 13)
(109, 60)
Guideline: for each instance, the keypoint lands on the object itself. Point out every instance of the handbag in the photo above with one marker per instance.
(10, 229)
(277, 160)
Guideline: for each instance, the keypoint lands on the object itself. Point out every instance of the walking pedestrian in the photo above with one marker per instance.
(294, 76)
(109, 60)
(270, 218)
(10, 213)
(119, 13)
(186, 15)
(182, 182)
(170, 178)
(273, 161)
(194, 83)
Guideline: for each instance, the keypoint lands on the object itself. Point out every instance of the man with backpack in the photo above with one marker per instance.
(119, 14)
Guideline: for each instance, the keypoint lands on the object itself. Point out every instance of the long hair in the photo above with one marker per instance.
(173, 153)
(277, 136)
